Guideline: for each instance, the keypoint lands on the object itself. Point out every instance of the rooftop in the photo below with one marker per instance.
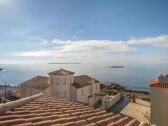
(42, 110)
(38, 82)
(82, 81)
(161, 82)
(61, 72)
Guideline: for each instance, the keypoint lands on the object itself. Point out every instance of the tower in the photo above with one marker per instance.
(159, 101)
(60, 82)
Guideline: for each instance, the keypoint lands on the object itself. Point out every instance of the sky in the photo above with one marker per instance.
(84, 31)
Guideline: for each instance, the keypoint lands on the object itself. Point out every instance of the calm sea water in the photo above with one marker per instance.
(132, 76)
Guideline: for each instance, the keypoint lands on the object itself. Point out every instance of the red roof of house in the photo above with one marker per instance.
(83, 80)
(42, 110)
(38, 82)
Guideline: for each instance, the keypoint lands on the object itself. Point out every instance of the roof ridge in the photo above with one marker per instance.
(34, 78)
(13, 104)
(61, 72)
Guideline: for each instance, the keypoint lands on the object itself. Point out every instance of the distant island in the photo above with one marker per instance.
(1, 69)
(64, 63)
(117, 66)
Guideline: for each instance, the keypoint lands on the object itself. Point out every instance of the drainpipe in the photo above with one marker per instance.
(92, 87)
(5, 91)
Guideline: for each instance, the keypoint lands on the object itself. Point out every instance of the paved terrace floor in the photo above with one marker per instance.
(42, 110)
(139, 110)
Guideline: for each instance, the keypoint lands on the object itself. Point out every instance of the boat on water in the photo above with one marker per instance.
(1, 69)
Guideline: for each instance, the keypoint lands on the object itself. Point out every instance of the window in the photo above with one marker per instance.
(52, 81)
(57, 81)
(96, 87)
(64, 83)
(71, 80)
(82, 93)
(89, 90)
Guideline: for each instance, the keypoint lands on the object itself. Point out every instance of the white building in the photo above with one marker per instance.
(83, 89)
(64, 84)
(159, 101)
(61, 81)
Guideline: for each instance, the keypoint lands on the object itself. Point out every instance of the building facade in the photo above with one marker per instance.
(159, 101)
(80, 89)
(60, 82)
(63, 84)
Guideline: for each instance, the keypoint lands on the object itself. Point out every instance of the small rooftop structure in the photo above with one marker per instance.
(161, 82)
(61, 72)
(42, 110)
(38, 82)
(83, 80)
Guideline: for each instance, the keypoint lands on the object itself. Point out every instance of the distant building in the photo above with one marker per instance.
(159, 101)
(63, 84)
(9, 90)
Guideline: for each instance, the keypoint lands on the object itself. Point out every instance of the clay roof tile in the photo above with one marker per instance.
(64, 113)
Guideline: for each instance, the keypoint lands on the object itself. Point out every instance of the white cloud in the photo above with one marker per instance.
(154, 41)
(97, 50)
(74, 37)
(81, 47)
(44, 42)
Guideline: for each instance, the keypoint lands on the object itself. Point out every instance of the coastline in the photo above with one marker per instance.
(117, 88)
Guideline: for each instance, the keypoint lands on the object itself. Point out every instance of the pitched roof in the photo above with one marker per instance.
(82, 81)
(38, 82)
(42, 110)
(61, 72)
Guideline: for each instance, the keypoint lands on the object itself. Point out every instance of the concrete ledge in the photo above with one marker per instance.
(17, 103)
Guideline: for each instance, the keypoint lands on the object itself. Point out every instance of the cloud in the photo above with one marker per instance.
(97, 50)
(85, 47)
(74, 37)
(160, 41)
(44, 42)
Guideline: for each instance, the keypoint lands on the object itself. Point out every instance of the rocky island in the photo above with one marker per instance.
(116, 66)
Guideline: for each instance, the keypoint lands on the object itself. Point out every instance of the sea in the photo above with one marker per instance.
(135, 77)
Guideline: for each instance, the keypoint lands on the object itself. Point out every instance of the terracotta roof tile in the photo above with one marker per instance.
(38, 82)
(156, 83)
(51, 111)
(61, 72)
(83, 80)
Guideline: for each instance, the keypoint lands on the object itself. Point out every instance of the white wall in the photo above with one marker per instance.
(86, 92)
(28, 91)
(114, 99)
(95, 90)
(73, 94)
(60, 85)
(47, 91)
(159, 106)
